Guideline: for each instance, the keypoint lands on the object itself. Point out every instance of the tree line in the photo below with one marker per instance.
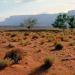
(61, 21)
(64, 21)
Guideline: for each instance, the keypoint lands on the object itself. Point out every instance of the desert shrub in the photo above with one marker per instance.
(62, 38)
(50, 37)
(24, 38)
(58, 46)
(13, 40)
(71, 43)
(13, 55)
(49, 40)
(3, 41)
(10, 45)
(26, 34)
(42, 42)
(48, 61)
(2, 64)
(42, 36)
(34, 37)
(25, 43)
(70, 36)
(8, 34)
(13, 35)
(8, 62)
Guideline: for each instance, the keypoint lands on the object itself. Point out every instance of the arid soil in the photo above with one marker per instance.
(35, 47)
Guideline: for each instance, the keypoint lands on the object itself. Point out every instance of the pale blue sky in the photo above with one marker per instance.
(24, 7)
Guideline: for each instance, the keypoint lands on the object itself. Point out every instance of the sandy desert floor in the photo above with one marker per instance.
(35, 47)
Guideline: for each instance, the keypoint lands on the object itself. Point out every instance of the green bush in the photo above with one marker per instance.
(58, 46)
(48, 62)
(14, 55)
(2, 64)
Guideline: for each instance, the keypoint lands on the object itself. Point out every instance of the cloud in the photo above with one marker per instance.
(23, 1)
(21, 7)
(18, 1)
(15, 1)
(40, 0)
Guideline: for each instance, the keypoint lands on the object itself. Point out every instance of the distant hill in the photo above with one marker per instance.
(43, 19)
(71, 13)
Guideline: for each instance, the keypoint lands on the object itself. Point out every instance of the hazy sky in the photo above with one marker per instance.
(23, 7)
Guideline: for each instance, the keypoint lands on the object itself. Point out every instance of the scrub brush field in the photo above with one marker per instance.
(37, 52)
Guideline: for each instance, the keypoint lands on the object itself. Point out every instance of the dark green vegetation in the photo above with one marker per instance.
(64, 21)
(13, 55)
(10, 58)
(48, 62)
(58, 46)
(29, 23)
(2, 64)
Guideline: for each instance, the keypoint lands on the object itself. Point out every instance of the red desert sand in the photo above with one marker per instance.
(35, 47)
